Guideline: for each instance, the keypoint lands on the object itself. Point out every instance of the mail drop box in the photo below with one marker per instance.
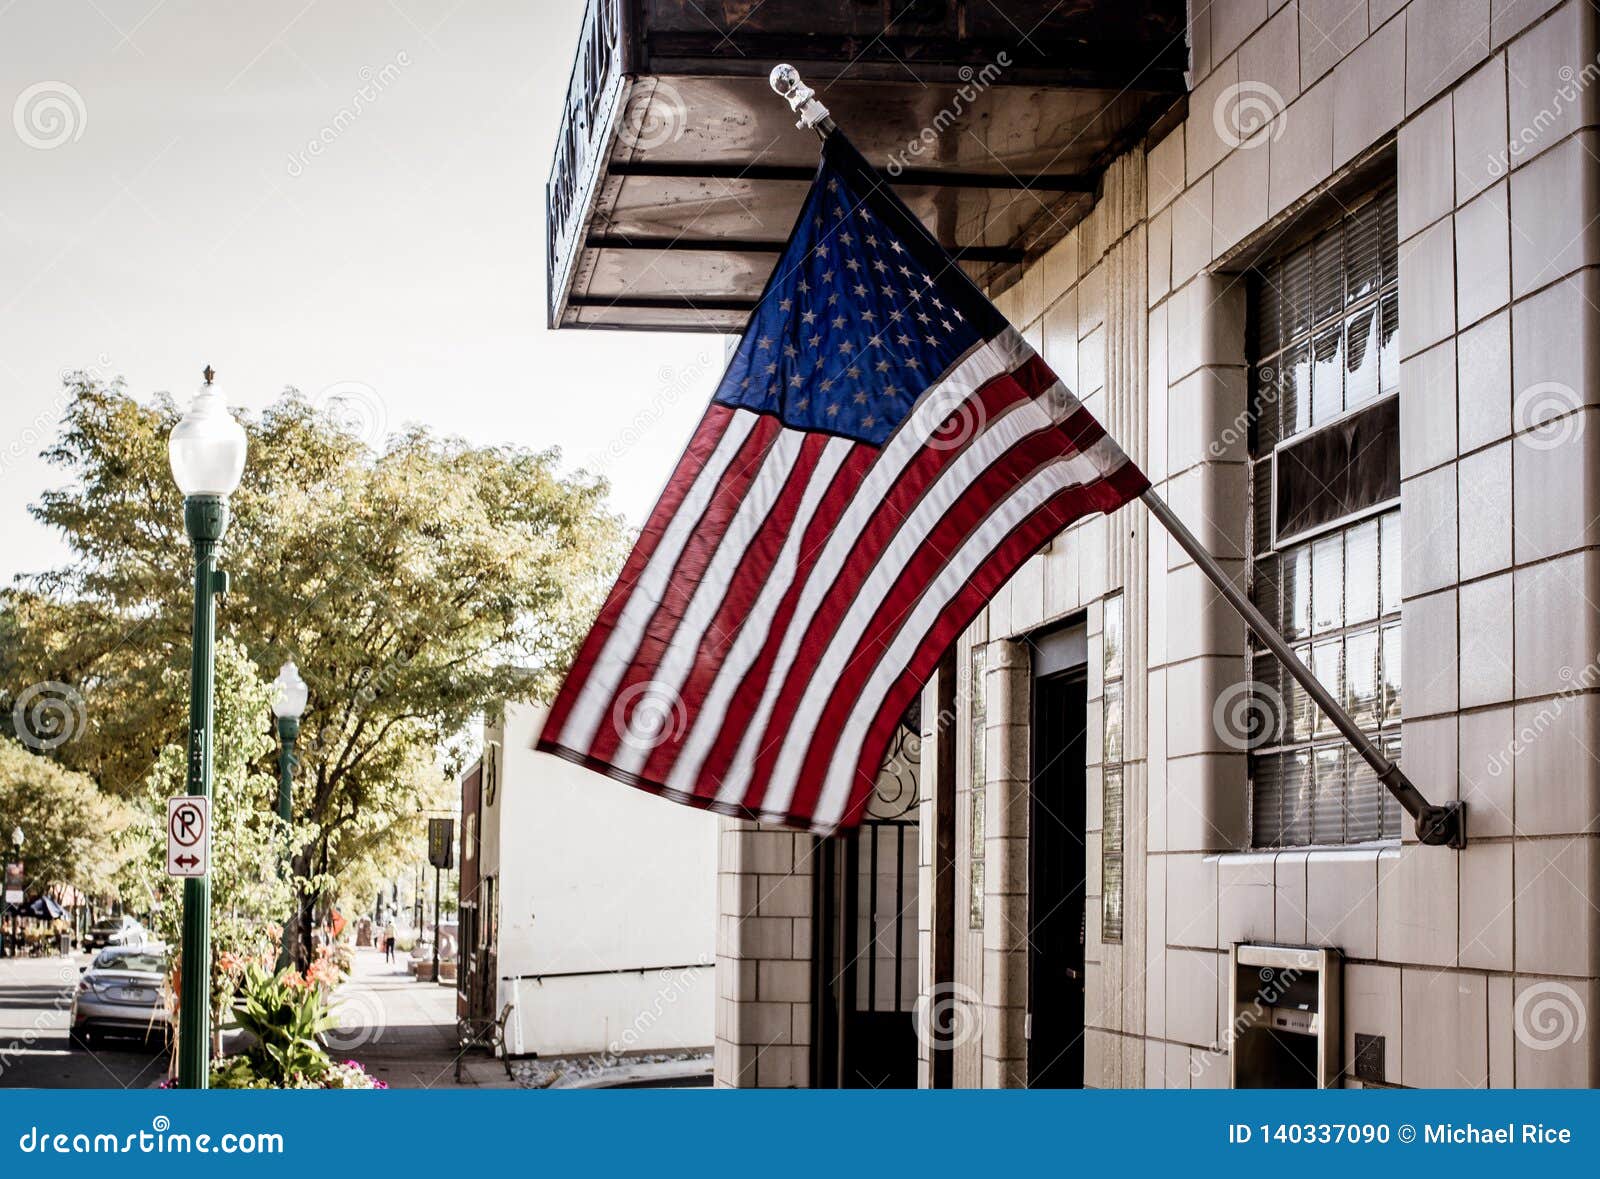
(1285, 1030)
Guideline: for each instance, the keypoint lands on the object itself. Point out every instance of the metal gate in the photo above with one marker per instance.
(865, 959)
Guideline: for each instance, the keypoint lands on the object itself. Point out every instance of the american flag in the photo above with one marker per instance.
(883, 452)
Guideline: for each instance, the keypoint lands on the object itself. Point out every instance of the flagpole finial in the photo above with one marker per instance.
(785, 81)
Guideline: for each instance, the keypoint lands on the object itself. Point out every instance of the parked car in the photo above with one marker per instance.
(119, 993)
(116, 931)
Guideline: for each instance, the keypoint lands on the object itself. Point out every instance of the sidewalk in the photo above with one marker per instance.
(403, 1031)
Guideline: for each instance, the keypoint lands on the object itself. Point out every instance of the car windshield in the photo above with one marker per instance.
(109, 924)
(145, 961)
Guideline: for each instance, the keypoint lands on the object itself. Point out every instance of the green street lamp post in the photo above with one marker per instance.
(17, 840)
(207, 450)
(288, 705)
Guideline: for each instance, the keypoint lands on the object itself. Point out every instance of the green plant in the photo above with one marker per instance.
(286, 1017)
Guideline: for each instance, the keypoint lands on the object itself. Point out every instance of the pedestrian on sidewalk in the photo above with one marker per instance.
(388, 940)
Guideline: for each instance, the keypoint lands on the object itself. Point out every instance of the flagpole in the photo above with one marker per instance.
(1444, 824)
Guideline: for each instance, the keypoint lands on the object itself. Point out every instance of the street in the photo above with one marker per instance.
(35, 1000)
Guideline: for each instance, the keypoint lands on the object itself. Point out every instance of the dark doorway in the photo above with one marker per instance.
(865, 957)
(1056, 869)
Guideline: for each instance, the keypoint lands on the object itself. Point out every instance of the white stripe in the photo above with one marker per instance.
(1004, 433)
(1000, 355)
(1027, 499)
(623, 641)
(753, 635)
(666, 678)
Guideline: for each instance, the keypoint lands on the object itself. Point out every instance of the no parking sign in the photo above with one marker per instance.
(188, 835)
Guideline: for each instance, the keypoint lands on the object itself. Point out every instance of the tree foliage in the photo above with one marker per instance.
(415, 586)
(75, 834)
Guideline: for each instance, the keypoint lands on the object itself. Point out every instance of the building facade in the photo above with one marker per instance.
(586, 907)
(1338, 297)
(1376, 222)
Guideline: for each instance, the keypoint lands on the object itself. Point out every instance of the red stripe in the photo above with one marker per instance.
(920, 473)
(706, 537)
(701, 446)
(742, 587)
(868, 552)
(745, 698)
(1055, 515)
(1014, 469)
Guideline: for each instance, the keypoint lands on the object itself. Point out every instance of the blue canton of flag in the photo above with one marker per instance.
(859, 317)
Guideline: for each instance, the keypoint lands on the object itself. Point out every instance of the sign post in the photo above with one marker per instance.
(188, 835)
(441, 845)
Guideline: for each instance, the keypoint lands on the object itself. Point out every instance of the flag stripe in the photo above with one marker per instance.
(852, 506)
(600, 683)
(701, 449)
(854, 640)
(764, 515)
(953, 617)
(874, 515)
(987, 466)
(942, 567)
(740, 627)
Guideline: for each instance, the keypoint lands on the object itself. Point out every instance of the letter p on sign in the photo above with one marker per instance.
(188, 835)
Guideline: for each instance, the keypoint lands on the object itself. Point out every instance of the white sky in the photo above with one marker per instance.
(168, 229)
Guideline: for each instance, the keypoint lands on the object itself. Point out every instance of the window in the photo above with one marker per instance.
(1112, 825)
(1325, 540)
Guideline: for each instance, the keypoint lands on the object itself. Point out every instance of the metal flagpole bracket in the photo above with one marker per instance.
(1443, 824)
(785, 81)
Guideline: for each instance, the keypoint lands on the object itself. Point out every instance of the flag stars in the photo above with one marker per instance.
(895, 246)
(872, 240)
(771, 369)
(839, 321)
(814, 340)
(860, 398)
(860, 290)
(808, 317)
(846, 347)
(833, 410)
(785, 304)
(852, 265)
(833, 184)
(796, 381)
(883, 365)
(946, 324)
(764, 343)
(790, 351)
(880, 266)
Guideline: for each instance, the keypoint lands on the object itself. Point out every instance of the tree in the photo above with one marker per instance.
(251, 892)
(77, 836)
(416, 587)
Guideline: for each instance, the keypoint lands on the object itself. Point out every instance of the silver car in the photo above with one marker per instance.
(120, 993)
(115, 931)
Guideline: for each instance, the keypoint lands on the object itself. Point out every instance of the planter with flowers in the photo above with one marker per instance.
(286, 1015)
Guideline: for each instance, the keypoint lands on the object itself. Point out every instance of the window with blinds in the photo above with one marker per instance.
(1325, 540)
(1113, 827)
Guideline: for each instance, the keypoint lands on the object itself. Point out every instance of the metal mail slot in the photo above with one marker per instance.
(1285, 1031)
